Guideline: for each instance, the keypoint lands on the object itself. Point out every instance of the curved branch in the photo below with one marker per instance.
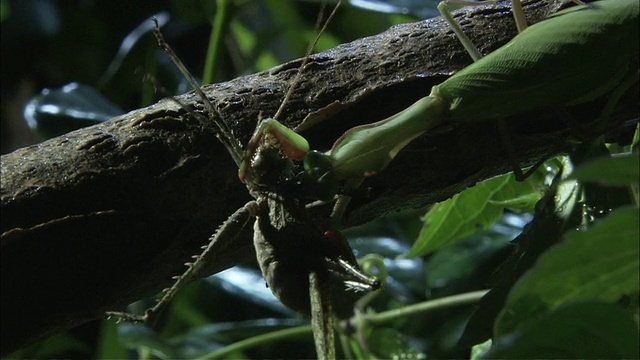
(100, 217)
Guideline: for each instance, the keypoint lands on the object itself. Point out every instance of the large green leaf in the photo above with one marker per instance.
(588, 330)
(598, 264)
(619, 170)
(475, 208)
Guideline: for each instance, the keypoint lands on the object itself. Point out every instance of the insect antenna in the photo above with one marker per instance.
(312, 45)
(224, 133)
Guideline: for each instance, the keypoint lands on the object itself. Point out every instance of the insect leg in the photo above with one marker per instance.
(462, 37)
(224, 132)
(322, 317)
(226, 233)
(306, 58)
(353, 278)
(518, 15)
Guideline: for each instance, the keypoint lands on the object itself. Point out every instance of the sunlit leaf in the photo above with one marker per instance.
(480, 350)
(459, 216)
(473, 209)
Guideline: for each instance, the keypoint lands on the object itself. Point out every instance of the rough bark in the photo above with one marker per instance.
(100, 217)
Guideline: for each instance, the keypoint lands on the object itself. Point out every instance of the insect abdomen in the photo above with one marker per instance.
(574, 56)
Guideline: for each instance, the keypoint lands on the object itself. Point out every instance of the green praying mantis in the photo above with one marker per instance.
(537, 69)
(534, 70)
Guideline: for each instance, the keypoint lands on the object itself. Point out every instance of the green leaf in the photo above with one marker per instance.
(636, 139)
(522, 203)
(109, 347)
(520, 196)
(475, 208)
(619, 170)
(450, 268)
(479, 351)
(598, 264)
(575, 331)
(459, 216)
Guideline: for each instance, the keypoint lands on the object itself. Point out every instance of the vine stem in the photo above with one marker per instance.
(370, 319)
(257, 340)
(426, 306)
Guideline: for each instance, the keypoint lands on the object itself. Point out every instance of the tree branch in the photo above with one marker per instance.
(103, 216)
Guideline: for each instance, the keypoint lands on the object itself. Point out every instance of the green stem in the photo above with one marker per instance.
(370, 319)
(437, 304)
(219, 24)
(257, 340)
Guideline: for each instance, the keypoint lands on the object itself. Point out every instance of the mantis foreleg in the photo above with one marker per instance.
(292, 145)
(366, 149)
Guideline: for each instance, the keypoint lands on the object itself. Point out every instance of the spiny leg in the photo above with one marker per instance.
(353, 278)
(322, 318)
(226, 233)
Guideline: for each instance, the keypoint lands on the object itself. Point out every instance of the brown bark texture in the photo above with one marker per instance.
(100, 217)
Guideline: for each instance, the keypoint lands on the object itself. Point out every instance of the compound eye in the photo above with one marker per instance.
(320, 177)
(316, 164)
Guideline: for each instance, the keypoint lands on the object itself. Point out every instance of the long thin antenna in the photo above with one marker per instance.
(224, 132)
(306, 58)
